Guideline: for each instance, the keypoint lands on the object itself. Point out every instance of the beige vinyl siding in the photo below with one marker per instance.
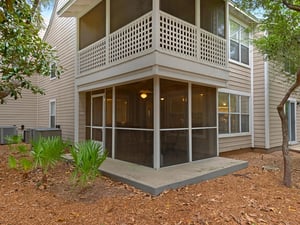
(61, 34)
(22, 111)
(259, 100)
(239, 78)
(277, 90)
(234, 143)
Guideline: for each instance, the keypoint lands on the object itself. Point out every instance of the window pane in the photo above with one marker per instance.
(234, 31)
(223, 124)
(203, 106)
(52, 121)
(135, 146)
(204, 143)
(245, 55)
(245, 104)
(53, 70)
(245, 123)
(52, 106)
(173, 104)
(234, 50)
(174, 147)
(134, 105)
(234, 103)
(223, 102)
(235, 123)
(244, 36)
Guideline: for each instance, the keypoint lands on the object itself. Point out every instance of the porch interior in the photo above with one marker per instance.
(157, 181)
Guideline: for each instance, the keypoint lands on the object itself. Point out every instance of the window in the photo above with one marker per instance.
(233, 113)
(52, 112)
(53, 70)
(239, 43)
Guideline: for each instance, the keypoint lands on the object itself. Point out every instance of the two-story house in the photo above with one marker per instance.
(159, 82)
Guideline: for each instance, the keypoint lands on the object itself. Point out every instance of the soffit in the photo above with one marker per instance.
(76, 8)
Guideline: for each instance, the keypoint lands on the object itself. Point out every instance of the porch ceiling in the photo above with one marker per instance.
(75, 8)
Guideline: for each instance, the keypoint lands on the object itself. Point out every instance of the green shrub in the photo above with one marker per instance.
(19, 158)
(47, 152)
(87, 156)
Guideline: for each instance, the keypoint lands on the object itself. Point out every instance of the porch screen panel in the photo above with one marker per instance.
(134, 122)
(204, 143)
(213, 16)
(173, 122)
(204, 122)
(123, 12)
(183, 9)
(203, 106)
(92, 26)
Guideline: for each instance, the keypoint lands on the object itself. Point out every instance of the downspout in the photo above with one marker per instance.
(252, 95)
(267, 110)
(76, 96)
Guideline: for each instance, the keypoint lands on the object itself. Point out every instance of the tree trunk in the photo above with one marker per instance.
(287, 163)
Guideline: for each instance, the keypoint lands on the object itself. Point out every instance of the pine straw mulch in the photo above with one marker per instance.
(251, 196)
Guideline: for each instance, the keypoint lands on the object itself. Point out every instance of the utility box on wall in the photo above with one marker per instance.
(35, 134)
(7, 131)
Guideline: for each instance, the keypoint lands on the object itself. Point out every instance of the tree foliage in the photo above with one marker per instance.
(281, 44)
(23, 53)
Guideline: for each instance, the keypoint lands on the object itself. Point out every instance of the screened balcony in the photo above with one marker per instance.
(189, 29)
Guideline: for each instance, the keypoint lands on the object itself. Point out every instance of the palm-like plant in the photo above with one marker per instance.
(47, 152)
(87, 156)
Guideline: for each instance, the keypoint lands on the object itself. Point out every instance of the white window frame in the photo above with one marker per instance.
(239, 94)
(53, 70)
(241, 24)
(50, 112)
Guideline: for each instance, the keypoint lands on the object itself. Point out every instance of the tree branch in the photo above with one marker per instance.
(35, 6)
(291, 6)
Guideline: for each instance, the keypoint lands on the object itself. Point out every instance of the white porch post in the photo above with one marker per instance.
(156, 123)
(107, 30)
(227, 27)
(113, 123)
(198, 25)
(155, 27)
(190, 121)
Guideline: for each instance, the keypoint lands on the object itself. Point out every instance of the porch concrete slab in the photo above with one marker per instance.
(156, 181)
(295, 148)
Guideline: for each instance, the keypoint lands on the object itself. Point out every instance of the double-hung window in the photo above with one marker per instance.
(52, 112)
(233, 113)
(239, 43)
(53, 70)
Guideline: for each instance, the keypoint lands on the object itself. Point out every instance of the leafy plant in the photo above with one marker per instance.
(15, 160)
(47, 152)
(87, 156)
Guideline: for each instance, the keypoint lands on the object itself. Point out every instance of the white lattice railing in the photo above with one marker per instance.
(212, 49)
(132, 39)
(176, 37)
(181, 38)
(93, 56)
